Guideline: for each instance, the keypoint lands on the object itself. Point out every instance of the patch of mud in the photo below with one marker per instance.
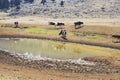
(65, 66)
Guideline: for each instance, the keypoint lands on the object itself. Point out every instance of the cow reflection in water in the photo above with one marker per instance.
(60, 46)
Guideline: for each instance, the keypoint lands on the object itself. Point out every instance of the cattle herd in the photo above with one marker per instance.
(76, 24)
(56, 24)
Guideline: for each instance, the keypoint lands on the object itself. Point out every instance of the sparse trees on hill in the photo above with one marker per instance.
(4, 4)
(62, 3)
(14, 3)
(103, 9)
(53, 1)
(28, 1)
(43, 2)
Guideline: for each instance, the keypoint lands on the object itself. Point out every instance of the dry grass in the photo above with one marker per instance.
(86, 30)
(25, 73)
(97, 29)
(50, 32)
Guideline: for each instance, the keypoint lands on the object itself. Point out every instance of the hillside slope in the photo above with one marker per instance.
(70, 8)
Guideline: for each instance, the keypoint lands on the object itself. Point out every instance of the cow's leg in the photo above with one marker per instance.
(75, 26)
(80, 26)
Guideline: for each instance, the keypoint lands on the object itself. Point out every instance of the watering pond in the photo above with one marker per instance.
(53, 49)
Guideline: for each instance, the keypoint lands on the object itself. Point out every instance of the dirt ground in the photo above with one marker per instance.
(24, 73)
(9, 70)
(4, 18)
(15, 72)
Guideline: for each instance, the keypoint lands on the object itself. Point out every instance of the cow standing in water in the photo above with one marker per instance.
(79, 23)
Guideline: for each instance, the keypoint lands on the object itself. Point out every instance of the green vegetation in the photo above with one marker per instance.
(4, 4)
(3, 10)
(60, 46)
(97, 37)
(42, 31)
(76, 50)
(6, 25)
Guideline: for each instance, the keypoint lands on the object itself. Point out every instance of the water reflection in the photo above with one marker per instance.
(60, 46)
(52, 49)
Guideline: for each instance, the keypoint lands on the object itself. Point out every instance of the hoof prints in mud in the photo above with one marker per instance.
(99, 67)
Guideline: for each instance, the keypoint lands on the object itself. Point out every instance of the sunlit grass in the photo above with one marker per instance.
(93, 49)
(60, 46)
(6, 25)
(44, 31)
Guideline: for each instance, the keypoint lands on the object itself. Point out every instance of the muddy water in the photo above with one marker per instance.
(52, 49)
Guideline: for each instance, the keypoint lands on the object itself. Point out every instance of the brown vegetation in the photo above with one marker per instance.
(79, 35)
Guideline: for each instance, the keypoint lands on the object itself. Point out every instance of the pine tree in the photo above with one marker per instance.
(43, 2)
(28, 1)
(62, 3)
(17, 2)
(53, 1)
(4, 4)
(14, 3)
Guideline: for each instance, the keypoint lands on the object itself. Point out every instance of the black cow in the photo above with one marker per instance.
(52, 23)
(79, 23)
(60, 24)
(116, 36)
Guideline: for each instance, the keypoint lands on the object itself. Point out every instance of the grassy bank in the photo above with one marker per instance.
(92, 35)
(16, 69)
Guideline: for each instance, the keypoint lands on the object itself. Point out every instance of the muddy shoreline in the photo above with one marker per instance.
(101, 66)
